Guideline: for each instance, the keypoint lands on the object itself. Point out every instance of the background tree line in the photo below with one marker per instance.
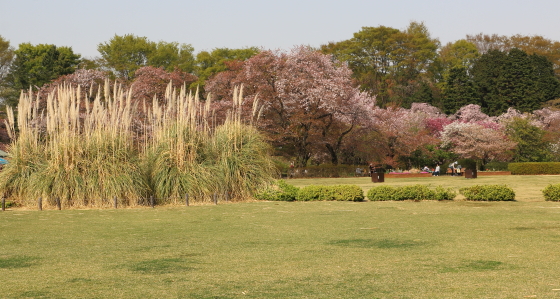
(351, 101)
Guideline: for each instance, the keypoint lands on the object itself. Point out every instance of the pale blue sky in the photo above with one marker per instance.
(209, 24)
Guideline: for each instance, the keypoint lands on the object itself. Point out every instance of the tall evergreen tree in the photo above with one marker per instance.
(515, 79)
(459, 90)
(486, 72)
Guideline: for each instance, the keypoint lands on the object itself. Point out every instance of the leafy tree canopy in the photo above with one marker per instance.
(219, 60)
(125, 54)
(389, 62)
(36, 65)
(6, 57)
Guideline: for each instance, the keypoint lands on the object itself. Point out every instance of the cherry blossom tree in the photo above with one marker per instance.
(89, 82)
(401, 132)
(309, 104)
(475, 141)
(152, 81)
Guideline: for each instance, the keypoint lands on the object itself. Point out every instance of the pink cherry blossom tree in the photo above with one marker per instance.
(308, 100)
(152, 81)
(475, 141)
(400, 132)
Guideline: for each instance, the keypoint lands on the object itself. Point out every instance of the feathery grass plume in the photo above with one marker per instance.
(83, 159)
(189, 156)
(243, 164)
(175, 158)
(26, 154)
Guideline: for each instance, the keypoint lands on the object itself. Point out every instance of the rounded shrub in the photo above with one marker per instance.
(552, 192)
(444, 193)
(347, 193)
(488, 193)
(280, 191)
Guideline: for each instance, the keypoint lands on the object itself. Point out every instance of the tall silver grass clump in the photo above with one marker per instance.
(175, 154)
(242, 160)
(188, 155)
(83, 158)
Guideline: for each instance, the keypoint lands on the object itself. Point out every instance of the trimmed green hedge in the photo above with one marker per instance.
(412, 192)
(281, 191)
(488, 193)
(552, 192)
(534, 168)
(336, 192)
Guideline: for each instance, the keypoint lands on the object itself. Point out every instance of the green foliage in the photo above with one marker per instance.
(459, 54)
(488, 193)
(381, 193)
(442, 193)
(552, 192)
(459, 90)
(534, 168)
(219, 60)
(513, 79)
(335, 192)
(414, 192)
(389, 62)
(37, 65)
(281, 191)
(126, 54)
(531, 145)
(410, 192)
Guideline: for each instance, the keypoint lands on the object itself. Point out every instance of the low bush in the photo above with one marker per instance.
(280, 191)
(347, 193)
(534, 168)
(552, 192)
(444, 193)
(412, 192)
(488, 193)
(381, 193)
(336, 192)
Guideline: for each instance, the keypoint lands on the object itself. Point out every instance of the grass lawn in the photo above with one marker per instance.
(429, 249)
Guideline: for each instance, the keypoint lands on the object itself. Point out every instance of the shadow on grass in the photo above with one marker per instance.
(36, 294)
(381, 244)
(18, 262)
(161, 266)
(476, 265)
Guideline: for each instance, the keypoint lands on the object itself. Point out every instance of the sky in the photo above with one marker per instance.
(210, 24)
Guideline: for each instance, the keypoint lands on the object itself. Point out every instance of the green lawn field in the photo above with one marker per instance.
(428, 249)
